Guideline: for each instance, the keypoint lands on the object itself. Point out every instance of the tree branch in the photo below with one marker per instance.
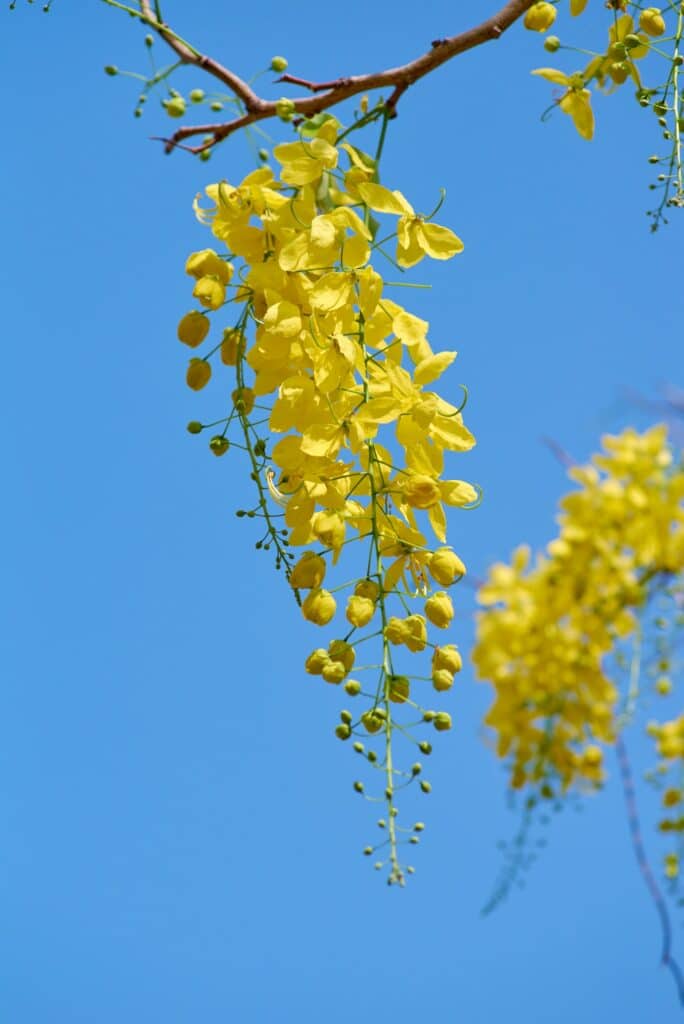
(327, 94)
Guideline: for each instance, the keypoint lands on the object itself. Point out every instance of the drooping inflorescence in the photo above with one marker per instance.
(635, 32)
(333, 399)
(553, 637)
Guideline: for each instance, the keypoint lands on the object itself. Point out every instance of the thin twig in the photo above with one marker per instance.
(327, 94)
(666, 957)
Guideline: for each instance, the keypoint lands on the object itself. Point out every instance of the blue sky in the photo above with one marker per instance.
(180, 837)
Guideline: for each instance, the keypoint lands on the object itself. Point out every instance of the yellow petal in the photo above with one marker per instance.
(439, 242)
(577, 103)
(332, 291)
(577, 6)
(382, 200)
(433, 367)
(551, 75)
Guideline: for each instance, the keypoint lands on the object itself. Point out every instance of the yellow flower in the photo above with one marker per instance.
(416, 237)
(447, 657)
(576, 102)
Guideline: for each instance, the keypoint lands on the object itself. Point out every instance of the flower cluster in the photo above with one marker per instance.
(321, 354)
(634, 32)
(548, 630)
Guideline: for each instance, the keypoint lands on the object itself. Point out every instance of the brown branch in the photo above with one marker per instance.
(328, 94)
(666, 957)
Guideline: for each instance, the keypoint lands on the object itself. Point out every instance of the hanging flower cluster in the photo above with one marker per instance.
(634, 32)
(320, 353)
(548, 630)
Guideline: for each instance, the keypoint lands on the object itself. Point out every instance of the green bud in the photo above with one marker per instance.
(389, 792)
(111, 69)
(353, 687)
(194, 427)
(632, 41)
(219, 445)
(216, 105)
(425, 747)
(414, 840)
(137, 112)
(660, 108)
(205, 155)
(419, 826)
(285, 108)
(196, 95)
(425, 786)
(416, 768)
(653, 159)
(552, 43)
(618, 50)
(260, 448)
(174, 107)
(149, 40)
(263, 154)
(359, 748)
(368, 851)
(382, 823)
(343, 732)
(278, 63)
(428, 716)
(358, 786)
(346, 717)
(372, 756)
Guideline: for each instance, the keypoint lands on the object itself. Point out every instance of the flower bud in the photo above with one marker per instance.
(243, 400)
(219, 445)
(284, 109)
(340, 650)
(367, 588)
(174, 107)
(447, 657)
(343, 732)
(398, 689)
(194, 427)
(232, 342)
(425, 786)
(317, 661)
(309, 572)
(439, 609)
(111, 69)
(319, 607)
(442, 721)
(417, 633)
(353, 687)
(552, 43)
(196, 95)
(193, 328)
(358, 786)
(442, 679)
(396, 630)
(208, 263)
(374, 719)
(210, 292)
(445, 566)
(651, 21)
(334, 672)
(619, 72)
(539, 17)
(278, 64)
(360, 610)
(425, 747)
(198, 374)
